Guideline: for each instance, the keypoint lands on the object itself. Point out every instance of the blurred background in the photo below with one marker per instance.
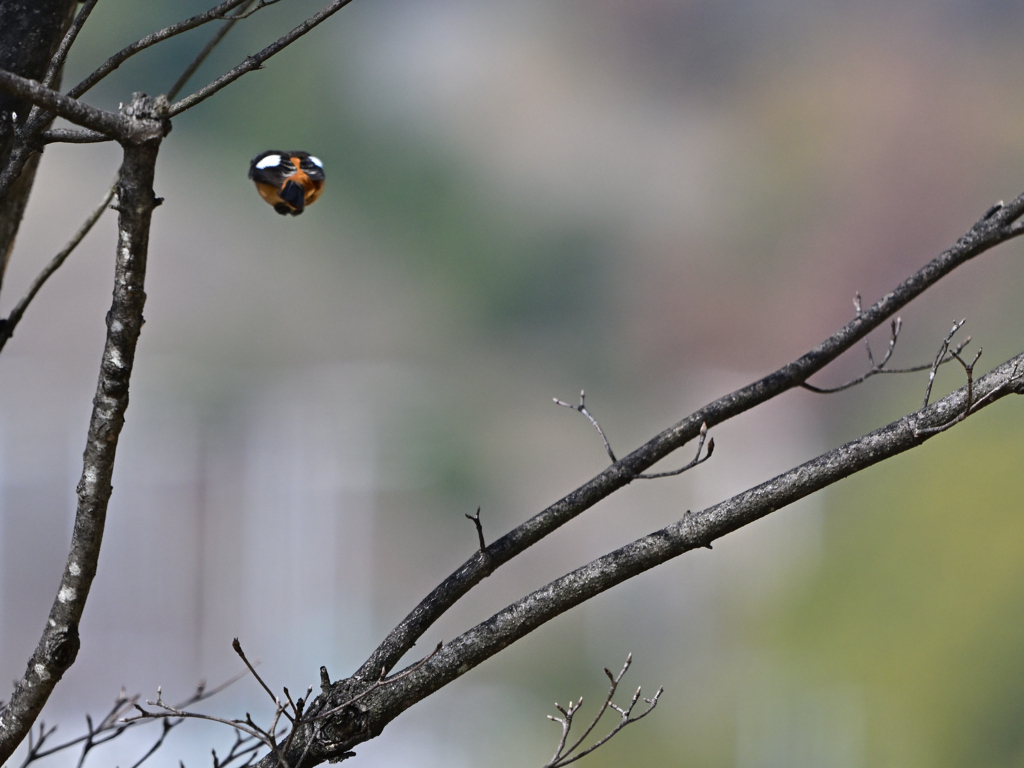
(653, 200)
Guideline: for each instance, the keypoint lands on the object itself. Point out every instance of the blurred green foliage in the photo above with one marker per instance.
(918, 601)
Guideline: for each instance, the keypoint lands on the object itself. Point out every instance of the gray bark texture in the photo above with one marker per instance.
(58, 645)
(30, 33)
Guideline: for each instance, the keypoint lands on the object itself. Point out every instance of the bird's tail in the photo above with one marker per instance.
(294, 195)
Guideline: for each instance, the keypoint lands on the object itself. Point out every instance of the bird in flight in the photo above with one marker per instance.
(289, 181)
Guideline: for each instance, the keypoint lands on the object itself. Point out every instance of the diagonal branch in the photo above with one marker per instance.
(582, 408)
(77, 112)
(58, 644)
(57, 62)
(119, 58)
(38, 119)
(240, 13)
(256, 60)
(697, 459)
(8, 325)
(34, 134)
(995, 227)
(692, 531)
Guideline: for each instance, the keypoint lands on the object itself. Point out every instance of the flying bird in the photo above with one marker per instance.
(289, 181)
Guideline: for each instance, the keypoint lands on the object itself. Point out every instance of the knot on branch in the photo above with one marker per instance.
(144, 119)
(61, 648)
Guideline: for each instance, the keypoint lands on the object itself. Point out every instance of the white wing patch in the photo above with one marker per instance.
(269, 161)
(316, 161)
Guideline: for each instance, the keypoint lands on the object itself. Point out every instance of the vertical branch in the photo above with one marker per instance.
(59, 642)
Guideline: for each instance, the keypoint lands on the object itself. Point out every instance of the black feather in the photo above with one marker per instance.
(294, 195)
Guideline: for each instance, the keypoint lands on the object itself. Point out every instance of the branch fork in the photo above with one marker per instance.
(971, 404)
(564, 754)
(702, 436)
(880, 367)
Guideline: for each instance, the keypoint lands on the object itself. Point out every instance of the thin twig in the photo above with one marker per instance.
(266, 737)
(8, 325)
(214, 14)
(35, 745)
(167, 726)
(297, 708)
(256, 60)
(241, 654)
(244, 745)
(970, 405)
(111, 727)
(479, 529)
(57, 62)
(563, 755)
(582, 408)
(250, 12)
(239, 14)
(876, 369)
(248, 726)
(696, 459)
(943, 348)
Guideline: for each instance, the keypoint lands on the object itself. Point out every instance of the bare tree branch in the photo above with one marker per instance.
(256, 60)
(30, 33)
(104, 125)
(242, 12)
(991, 230)
(115, 125)
(940, 356)
(269, 737)
(693, 462)
(57, 62)
(693, 531)
(564, 756)
(8, 325)
(582, 408)
(214, 14)
(112, 725)
(38, 118)
(71, 136)
(58, 645)
(479, 529)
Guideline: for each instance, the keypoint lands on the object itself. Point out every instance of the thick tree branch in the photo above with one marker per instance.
(997, 226)
(30, 33)
(39, 118)
(119, 126)
(32, 133)
(366, 718)
(59, 642)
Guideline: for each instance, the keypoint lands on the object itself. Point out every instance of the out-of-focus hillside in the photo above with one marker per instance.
(654, 200)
